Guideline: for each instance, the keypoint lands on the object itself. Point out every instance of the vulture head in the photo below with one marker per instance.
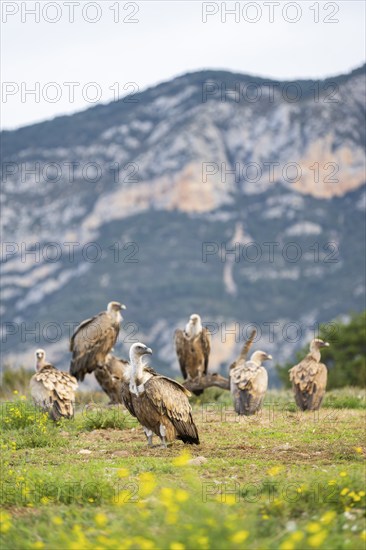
(40, 358)
(114, 309)
(115, 306)
(194, 325)
(259, 356)
(317, 344)
(137, 351)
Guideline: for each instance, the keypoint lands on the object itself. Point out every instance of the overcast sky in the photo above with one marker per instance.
(167, 39)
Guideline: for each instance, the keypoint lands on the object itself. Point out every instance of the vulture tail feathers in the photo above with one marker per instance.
(248, 403)
(58, 411)
(186, 431)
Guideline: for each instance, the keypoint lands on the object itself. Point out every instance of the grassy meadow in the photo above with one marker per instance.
(283, 479)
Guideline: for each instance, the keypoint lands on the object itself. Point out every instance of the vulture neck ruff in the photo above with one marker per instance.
(136, 374)
(315, 354)
(193, 329)
(116, 316)
(40, 363)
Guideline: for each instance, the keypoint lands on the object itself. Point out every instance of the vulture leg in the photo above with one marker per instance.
(162, 436)
(149, 436)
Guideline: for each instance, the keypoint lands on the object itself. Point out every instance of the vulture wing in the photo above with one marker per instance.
(127, 398)
(244, 375)
(303, 374)
(91, 342)
(181, 348)
(309, 380)
(169, 398)
(248, 385)
(110, 377)
(54, 390)
(205, 338)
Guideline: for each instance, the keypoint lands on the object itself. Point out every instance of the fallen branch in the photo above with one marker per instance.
(207, 381)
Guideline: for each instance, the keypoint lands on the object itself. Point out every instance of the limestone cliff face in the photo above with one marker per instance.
(188, 162)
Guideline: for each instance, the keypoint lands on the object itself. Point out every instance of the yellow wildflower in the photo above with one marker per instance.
(343, 474)
(181, 495)
(287, 545)
(317, 540)
(5, 522)
(123, 472)
(296, 536)
(275, 470)
(228, 499)
(56, 520)
(344, 491)
(147, 483)
(176, 546)
(182, 460)
(313, 527)
(239, 537)
(123, 497)
(100, 519)
(166, 495)
(328, 517)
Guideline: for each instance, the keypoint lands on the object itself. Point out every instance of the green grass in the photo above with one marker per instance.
(283, 479)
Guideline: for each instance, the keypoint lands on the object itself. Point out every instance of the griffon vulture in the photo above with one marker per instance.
(159, 403)
(51, 389)
(93, 339)
(110, 377)
(193, 347)
(309, 378)
(249, 382)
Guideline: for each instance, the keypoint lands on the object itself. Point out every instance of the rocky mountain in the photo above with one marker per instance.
(237, 197)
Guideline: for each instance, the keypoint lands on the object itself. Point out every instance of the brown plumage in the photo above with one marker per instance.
(193, 346)
(53, 390)
(93, 339)
(110, 377)
(249, 382)
(159, 403)
(309, 378)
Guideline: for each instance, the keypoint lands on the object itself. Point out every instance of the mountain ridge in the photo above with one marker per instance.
(169, 208)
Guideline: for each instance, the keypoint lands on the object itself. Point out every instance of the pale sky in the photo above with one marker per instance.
(168, 39)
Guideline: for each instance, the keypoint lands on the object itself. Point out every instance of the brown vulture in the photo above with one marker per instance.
(309, 378)
(110, 377)
(159, 403)
(53, 390)
(193, 347)
(93, 339)
(249, 382)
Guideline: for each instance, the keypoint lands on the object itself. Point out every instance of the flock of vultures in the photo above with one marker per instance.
(160, 403)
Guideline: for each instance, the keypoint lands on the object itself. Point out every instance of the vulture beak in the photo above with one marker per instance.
(123, 306)
(326, 345)
(269, 357)
(148, 351)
